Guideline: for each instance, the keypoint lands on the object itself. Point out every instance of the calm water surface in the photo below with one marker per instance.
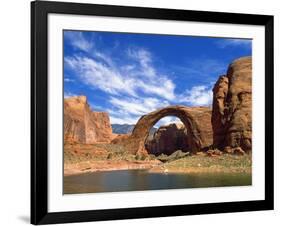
(137, 180)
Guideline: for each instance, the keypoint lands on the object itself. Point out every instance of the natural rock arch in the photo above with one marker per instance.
(197, 120)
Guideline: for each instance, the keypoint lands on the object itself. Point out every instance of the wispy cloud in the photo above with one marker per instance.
(133, 79)
(138, 106)
(123, 120)
(143, 57)
(197, 96)
(69, 94)
(133, 83)
(133, 108)
(137, 80)
(247, 43)
(167, 120)
(68, 79)
(98, 75)
(78, 40)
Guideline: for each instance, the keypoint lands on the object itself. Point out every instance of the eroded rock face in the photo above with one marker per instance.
(83, 125)
(232, 107)
(220, 92)
(197, 120)
(168, 139)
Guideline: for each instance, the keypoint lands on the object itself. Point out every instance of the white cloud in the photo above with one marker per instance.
(100, 76)
(69, 94)
(102, 72)
(167, 120)
(123, 120)
(197, 96)
(68, 80)
(132, 79)
(104, 57)
(78, 40)
(234, 42)
(150, 81)
(143, 57)
(131, 109)
(134, 85)
(138, 106)
(163, 87)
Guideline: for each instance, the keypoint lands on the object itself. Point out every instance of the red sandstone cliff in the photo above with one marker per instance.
(83, 125)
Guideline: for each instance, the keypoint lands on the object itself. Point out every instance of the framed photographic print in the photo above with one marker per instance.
(144, 112)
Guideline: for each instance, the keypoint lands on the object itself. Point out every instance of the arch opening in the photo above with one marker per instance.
(167, 136)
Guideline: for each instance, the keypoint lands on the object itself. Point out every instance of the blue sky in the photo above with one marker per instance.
(128, 75)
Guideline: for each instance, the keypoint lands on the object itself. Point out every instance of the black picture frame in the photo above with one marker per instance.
(39, 112)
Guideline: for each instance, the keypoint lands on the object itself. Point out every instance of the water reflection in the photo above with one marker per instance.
(136, 180)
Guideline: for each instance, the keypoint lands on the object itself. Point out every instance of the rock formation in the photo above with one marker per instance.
(168, 139)
(197, 120)
(232, 107)
(83, 125)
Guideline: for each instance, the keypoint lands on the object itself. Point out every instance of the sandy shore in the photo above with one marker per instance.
(163, 169)
(94, 166)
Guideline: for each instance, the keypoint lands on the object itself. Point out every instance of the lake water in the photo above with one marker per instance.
(138, 180)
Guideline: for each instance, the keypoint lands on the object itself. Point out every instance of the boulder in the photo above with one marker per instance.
(234, 150)
(213, 153)
(82, 125)
(232, 107)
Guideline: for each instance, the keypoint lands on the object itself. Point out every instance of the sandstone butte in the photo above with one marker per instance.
(232, 107)
(84, 126)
